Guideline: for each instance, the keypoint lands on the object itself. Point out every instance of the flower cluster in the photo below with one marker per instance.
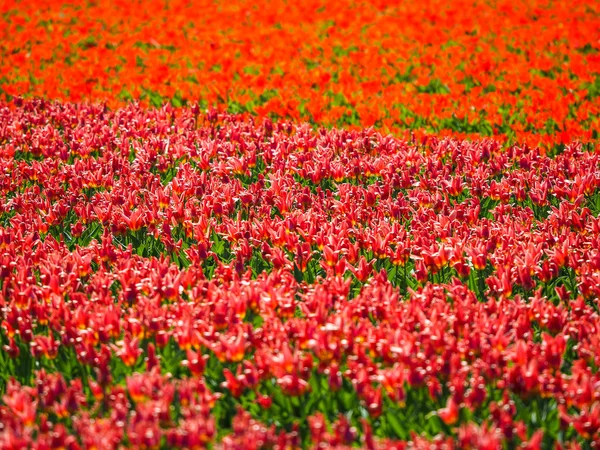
(520, 71)
(170, 278)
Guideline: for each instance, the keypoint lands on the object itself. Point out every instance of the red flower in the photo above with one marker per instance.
(449, 414)
(128, 350)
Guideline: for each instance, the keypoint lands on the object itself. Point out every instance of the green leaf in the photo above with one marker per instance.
(396, 425)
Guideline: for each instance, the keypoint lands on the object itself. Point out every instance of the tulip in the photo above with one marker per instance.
(128, 350)
(450, 413)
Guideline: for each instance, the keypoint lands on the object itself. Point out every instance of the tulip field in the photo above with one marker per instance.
(287, 225)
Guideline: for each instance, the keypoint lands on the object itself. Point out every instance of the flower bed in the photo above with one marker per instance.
(311, 224)
(519, 71)
(176, 279)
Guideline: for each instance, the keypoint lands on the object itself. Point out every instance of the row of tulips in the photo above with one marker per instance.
(178, 278)
(519, 71)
